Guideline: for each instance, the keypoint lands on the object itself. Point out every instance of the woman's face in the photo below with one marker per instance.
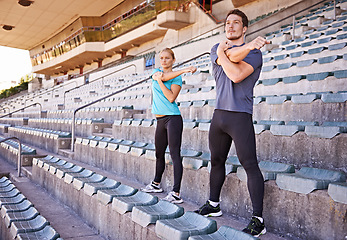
(166, 59)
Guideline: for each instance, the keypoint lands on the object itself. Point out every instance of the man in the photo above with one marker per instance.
(236, 69)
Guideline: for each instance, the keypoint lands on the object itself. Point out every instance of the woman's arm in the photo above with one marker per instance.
(170, 94)
(170, 75)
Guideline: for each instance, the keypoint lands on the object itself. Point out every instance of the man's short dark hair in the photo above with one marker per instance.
(241, 14)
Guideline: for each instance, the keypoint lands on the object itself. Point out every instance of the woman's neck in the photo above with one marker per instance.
(166, 70)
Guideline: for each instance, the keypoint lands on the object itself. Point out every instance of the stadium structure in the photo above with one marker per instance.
(78, 146)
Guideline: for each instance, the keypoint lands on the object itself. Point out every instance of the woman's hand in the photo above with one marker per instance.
(191, 69)
(158, 76)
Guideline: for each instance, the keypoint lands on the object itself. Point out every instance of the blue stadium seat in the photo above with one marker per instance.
(123, 204)
(189, 224)
(308, 179)
(338, 192)
(105, 196)
(224, 233)
(145, 215)
(268, 169)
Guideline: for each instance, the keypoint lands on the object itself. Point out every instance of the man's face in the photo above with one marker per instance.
(234, 28)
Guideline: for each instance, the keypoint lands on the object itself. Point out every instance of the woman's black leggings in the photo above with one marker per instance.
(169, 132)
(227, 126)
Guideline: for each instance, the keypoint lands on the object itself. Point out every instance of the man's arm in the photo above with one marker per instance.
(237, 54)
(236, 72)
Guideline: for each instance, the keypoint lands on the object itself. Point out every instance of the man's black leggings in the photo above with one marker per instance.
(169, 132)
(227, 126)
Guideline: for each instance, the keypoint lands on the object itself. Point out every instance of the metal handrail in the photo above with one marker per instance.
(3, 108)
(34, 104)
(100, 78)
(50, 90)
(119, 91)
(19, 162)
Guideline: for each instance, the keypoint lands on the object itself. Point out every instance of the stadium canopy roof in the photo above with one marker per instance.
(35, 24)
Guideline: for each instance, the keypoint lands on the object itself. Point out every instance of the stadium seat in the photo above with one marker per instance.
(271, 81)
(26, 215)
(62, 171)
(20, 207)
(69, 176)
(318, 76)
(268, 169)
(308, 179)
(145, 215)
(305, 98)
(105, 196)
(33, 225)
(338, 97)
(290, 128)
(338, 192)
(46, 233)
(293, 79)
(326, 130)
(262, 125)
(79, 182)
(196, 162)
(305, 63)
(91, 188)
(123, 204)
(277, 99)
(190, 224)
(223, 233)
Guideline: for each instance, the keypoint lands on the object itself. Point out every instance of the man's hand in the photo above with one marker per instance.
(223, 46)
(257, 43)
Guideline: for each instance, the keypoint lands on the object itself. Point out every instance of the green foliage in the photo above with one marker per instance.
(16, 89)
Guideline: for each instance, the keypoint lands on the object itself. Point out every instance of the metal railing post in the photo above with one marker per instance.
(73, 130)
(111, 94)
(334, 9)
(19, 161)
(293, 37)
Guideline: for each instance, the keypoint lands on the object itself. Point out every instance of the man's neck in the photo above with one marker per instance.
(237, 42)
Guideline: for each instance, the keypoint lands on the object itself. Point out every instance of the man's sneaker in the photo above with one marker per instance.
(152, 188)
(256, 227)
(208, 210)
(173, 198)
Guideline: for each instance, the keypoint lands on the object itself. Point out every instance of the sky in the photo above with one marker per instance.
(14, 64)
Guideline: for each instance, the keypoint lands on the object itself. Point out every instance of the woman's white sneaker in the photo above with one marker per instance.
(173, 198)
(152, 188)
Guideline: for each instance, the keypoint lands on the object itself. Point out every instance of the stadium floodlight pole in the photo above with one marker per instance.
(73, 124)
(19, 162)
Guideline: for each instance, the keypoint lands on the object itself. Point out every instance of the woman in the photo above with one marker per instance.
(166, 85)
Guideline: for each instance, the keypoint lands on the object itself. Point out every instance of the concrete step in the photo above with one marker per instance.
(108, 131)
(62, 218)
(237, 223)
